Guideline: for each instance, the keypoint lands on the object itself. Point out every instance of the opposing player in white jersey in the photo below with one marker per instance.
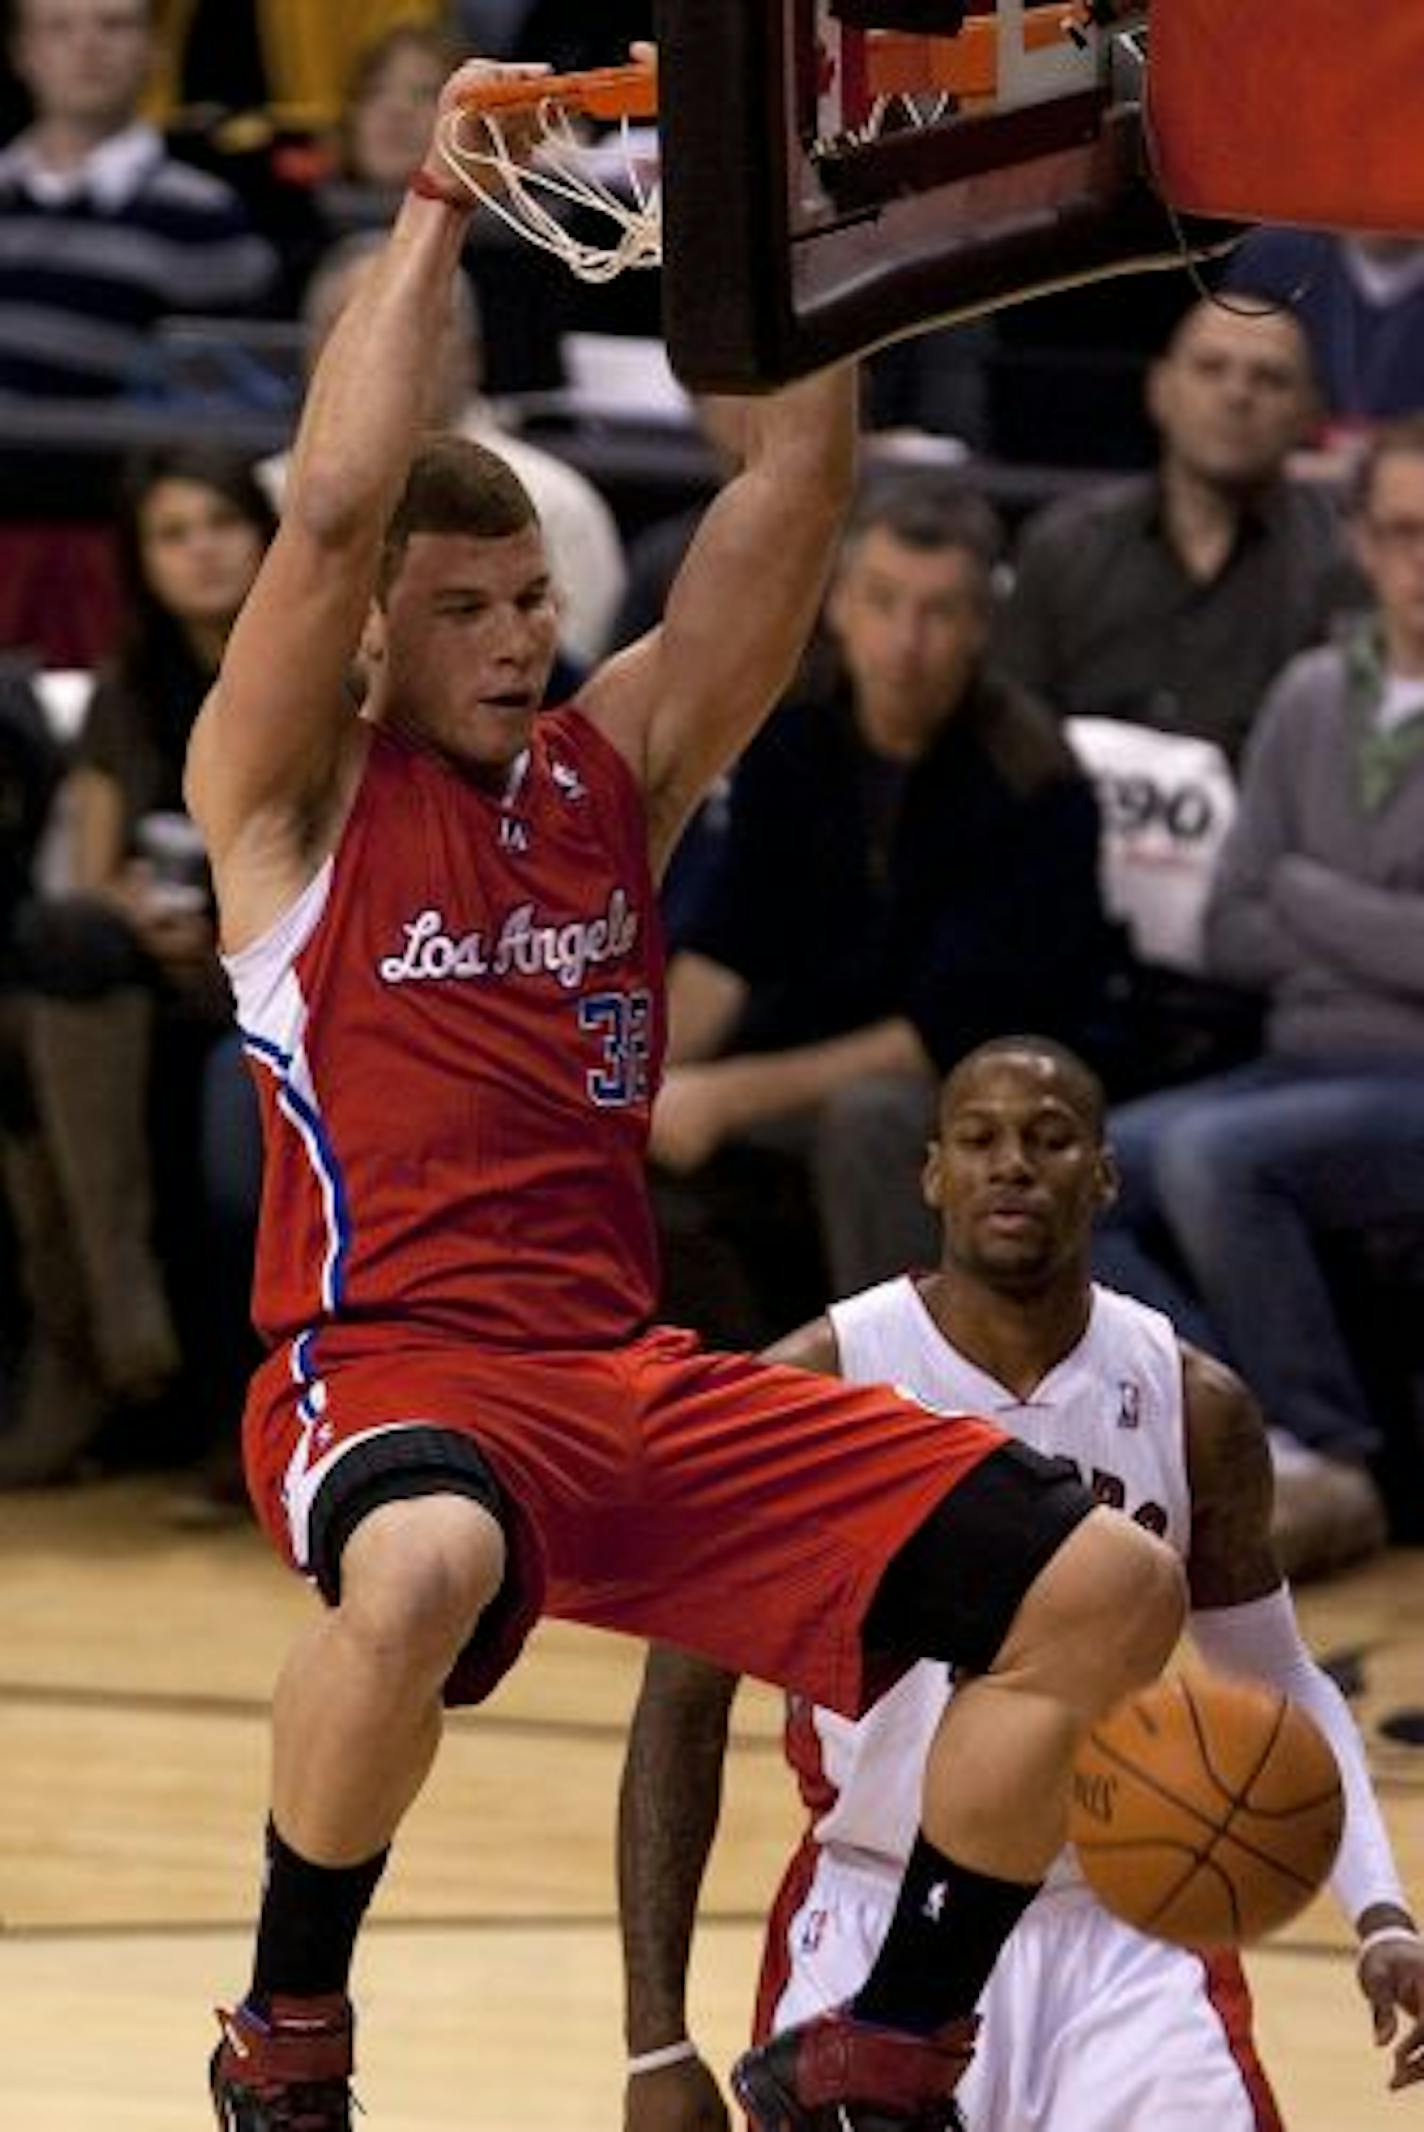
(1088, 2026)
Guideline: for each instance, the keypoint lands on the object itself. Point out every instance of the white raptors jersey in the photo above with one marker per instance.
(1113, 1406)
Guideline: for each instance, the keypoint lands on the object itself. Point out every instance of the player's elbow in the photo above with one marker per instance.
(324, 506)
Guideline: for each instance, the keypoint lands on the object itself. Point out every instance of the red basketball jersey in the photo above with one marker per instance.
(456, 1031)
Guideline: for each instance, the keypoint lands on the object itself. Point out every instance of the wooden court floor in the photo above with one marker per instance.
(135, 1665)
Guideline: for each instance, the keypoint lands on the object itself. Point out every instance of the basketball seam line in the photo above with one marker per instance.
(1185, 1806)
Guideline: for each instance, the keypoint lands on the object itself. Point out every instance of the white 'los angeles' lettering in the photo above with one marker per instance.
(525, 946)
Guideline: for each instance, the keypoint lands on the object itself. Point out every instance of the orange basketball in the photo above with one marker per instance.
(1205, 1810)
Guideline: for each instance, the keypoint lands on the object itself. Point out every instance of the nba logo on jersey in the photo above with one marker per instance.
(1129, 1403)
(568, 781)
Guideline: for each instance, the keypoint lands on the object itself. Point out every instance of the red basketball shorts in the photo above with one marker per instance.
(728, 1505)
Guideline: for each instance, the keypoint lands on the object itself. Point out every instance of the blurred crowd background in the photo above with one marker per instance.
(1113, 730)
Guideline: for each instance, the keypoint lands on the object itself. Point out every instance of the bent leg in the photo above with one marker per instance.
(356, 1723)
(1099, 1620)
(91, 1071)
(61, 1402)
(357, 1717)
(1060, 1608)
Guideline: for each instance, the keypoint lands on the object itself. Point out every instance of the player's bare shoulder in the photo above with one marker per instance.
(1229, 1469)
(811, 1347)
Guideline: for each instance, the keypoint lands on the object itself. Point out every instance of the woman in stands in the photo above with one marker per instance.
(126, 1011)
(385, 122)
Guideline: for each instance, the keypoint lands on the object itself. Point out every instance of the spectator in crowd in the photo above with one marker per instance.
(384, 126)
(14, 104)
(390, 106)
(910, 866)
(1228, 1186)
(655, 553)
(1152, 613)
(523, 294)
(582, 535)
(125, 997)
(1360, 303)
(1173, 599)
(102, 233)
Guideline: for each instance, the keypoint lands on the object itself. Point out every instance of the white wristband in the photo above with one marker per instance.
(1386, 1936)
(654, 2061)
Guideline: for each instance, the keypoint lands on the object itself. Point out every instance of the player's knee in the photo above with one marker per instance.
(1104, 1616)
(1131, 1593)
(417, 1575)
(1148, 1582)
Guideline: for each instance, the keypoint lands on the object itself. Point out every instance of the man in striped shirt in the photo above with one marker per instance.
(102, 232)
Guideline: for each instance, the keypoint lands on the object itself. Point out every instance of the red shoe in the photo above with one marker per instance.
(838, 2074)
(290, 2072)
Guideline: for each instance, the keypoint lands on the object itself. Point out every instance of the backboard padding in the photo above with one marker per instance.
(1296, 111)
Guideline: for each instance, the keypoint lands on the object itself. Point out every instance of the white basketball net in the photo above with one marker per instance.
(563, 170)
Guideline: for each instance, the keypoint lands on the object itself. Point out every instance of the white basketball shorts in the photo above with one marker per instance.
(1088, 2026)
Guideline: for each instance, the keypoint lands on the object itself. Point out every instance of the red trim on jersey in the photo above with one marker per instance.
(805, 1752)
(1230, 1997)
(804, 1749)
(776, 1956)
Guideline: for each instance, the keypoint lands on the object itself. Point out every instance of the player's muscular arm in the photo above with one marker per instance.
(1229, 1468)
(273, 747)
(668, 1807)
(1243, 1621)
(682, 702)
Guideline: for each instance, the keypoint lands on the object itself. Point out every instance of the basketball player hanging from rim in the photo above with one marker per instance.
(440, 925)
